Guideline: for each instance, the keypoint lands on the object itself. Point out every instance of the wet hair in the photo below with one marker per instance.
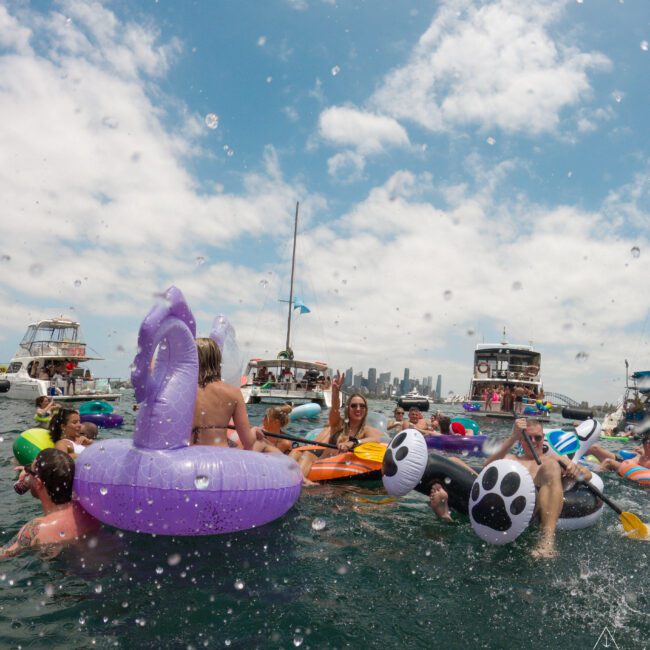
(444, 422)
(42, 399)
(535, 422)
(279, 414)
(345, 428)
(209, 361)
(56, 469)
(89, 429)
(58, 423)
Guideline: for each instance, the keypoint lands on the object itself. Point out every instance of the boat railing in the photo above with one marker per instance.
(52, 349)
(522, 373)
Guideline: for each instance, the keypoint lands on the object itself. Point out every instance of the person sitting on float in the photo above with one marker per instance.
(89, 430)
(217, 402)
(548, 478)
(415, 421)
(65, 432)
(344, 432)
(275, 418)
(49, 478)
(44, 408)
(612, 462)
(398, 414)
(434, 423)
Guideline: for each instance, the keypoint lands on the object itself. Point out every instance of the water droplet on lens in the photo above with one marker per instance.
(212, 120)
(447, 294)
(318, 524)
(427, 316)
(98, 589)
(239, 585)
(297, 641)
(617, 97)
(86, 466)
(264, 283)
(77, 284)
(335, 70)
(470, 332)
(582, 356)
(103, 491)
(491, 141)
(199, 260)
(174, 559)
(636, 252)
(517, 286)
(447, 480)
(49, 590)
(35, 270)
(5, 258)
(201, 482)
(644, 45)
(159, 570)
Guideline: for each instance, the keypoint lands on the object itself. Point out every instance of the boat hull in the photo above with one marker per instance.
(407, 403)
(27, 388)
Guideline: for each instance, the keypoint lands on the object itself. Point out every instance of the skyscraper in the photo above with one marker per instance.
(406, 384)
(439, 388)
(348, 377)
(372, 380)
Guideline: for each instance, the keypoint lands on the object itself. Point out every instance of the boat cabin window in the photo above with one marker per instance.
(14, 366)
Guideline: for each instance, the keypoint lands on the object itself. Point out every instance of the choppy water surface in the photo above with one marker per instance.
(347, 567)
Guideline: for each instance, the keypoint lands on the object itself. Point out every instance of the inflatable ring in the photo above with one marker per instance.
(104, 420)
(43, 419)
(483, 366)
(630, 469)
(96, 406)
(157, 483)
(409, 466)
(30, 443)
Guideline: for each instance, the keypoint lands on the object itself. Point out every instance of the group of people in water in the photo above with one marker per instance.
(221, 419)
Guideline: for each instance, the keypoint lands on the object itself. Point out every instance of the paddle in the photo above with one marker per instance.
(367, 450)
(632, 524)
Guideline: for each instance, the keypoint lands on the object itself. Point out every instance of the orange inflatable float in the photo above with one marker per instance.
(345, 466)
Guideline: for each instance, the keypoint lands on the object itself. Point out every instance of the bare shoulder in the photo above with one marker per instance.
(371, 433)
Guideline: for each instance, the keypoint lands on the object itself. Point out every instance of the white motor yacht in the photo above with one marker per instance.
(48, 363)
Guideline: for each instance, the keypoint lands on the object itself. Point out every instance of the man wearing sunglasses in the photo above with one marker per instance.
(49, 478)
(548, 478)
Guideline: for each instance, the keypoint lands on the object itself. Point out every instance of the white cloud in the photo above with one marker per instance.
(367, 132)
(347, 166)
(495, 65)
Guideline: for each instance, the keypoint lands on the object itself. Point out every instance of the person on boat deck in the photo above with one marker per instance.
(44, 407)
(508, 402)
(610, 462)
(398, 414)
(344, 432)
(217, 402)
(262, 375)
(63, 522)
(415, 421)
(519, 398)
(548, 478)
(65, 432)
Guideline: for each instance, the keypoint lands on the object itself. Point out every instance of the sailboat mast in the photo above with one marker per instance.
(293, 265)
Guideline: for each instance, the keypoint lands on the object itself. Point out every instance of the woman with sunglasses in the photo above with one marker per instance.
(398, 414)
(346, 432)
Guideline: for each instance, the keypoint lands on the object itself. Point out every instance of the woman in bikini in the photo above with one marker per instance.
(217, 402)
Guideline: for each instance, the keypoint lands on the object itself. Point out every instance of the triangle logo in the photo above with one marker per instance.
(606, 640)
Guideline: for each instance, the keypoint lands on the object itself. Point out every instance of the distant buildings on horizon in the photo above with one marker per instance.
(381, 385)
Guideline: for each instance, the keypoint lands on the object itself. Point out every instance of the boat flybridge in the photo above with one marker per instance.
(286, 379)
(498, 366)
(47, 363)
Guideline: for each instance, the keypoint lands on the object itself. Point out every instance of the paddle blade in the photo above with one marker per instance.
(370, 451)
(633, 526)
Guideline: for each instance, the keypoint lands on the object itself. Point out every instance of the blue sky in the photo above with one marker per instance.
(461, 166)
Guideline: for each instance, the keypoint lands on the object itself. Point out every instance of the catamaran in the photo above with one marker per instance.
(47, 363)
(285, 378)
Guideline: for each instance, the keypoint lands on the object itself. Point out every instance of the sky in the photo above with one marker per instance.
(461, 166)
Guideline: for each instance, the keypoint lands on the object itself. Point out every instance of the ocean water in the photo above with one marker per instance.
(347, 567)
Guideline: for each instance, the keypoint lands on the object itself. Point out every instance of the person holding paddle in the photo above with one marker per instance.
(342, 433)
(548, 476)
